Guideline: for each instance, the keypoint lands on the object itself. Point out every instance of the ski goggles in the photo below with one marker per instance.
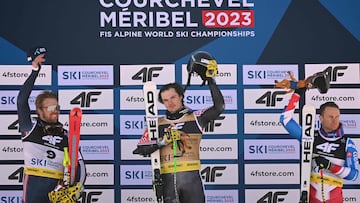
(52, 108)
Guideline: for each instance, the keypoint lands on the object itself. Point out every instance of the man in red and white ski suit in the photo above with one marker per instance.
(334, 154)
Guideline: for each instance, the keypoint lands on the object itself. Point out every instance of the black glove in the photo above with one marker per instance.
(322, 162)
(34, 52)
(300, 91)
(319, 81)
(146, 149)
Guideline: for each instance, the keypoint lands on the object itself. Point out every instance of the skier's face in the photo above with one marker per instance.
(172, 100)
(330, 119)
(49, 110)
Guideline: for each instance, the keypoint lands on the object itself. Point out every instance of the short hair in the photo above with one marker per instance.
(44, 95)
(327, 104)
(168, 86)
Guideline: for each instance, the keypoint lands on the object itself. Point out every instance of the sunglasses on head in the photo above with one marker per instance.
(52, 108)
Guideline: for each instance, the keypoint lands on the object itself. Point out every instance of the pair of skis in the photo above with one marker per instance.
(151, 115)
(308, 127)
(72, 154)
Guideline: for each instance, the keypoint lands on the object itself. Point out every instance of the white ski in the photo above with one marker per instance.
(151, 112)
(308, 127)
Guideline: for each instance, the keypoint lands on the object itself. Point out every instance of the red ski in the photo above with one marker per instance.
(74, 139)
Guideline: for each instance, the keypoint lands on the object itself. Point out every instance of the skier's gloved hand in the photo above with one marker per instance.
(146, 148)
(322, 162)
(300, 91)
(63, 194)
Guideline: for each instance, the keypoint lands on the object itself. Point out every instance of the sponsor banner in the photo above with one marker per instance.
(351, 195)
(97, 195)
(132, 125)
(272, 195)
(216, 196)
(345, 98)
(11, 196)
(224, 124)
(211, 174)
(135, 174)
(200, 99)
(17, 74)
(220, 174)
(139, 74)
(210, 149)
(265, 123)
(147, 195)
(266, 98)
(350, 123)
(11, 150)
(227, 75)
(137, 195)
(134, 100)
(93, 124)
(272, 174)
(9, 125)
(267, 74)
(99, 174)
(347, 73)
(97, 149)
(85, 75)
(8, 99)
(195, 99)
(87, 99)
(271, 149)
(11, 174)
(127, 146)
(136, 125)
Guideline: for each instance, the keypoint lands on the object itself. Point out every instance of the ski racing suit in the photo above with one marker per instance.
(325, 184)
(43, 150)
(180, 165)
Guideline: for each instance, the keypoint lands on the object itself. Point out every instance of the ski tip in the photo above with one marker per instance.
(76, 111)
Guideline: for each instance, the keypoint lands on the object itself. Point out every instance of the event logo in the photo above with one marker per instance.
(133, 17)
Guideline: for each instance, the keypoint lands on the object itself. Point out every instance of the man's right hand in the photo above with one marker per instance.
(38, 61)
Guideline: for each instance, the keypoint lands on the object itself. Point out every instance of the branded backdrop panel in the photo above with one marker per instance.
(101, 52)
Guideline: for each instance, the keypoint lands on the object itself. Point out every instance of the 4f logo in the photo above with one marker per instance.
(212, 124)
(147, 74)
(88, 197)
(332, 73)
(85, 99)
(327, 147)
(210, 173)
(270, 98)
(273, 197)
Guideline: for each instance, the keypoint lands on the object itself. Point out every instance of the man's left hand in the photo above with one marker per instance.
(322, 162)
